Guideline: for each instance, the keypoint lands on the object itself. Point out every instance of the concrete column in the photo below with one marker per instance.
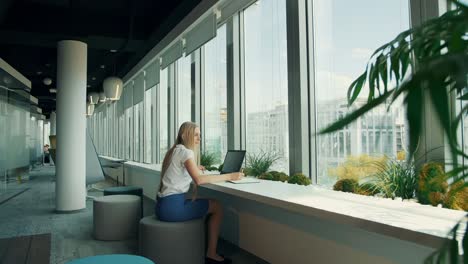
(53, 123)
(70, 186)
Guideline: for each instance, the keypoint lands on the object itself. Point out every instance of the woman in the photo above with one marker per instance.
(179, 169)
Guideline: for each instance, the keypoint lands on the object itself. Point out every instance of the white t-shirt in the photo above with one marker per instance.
(176, 179)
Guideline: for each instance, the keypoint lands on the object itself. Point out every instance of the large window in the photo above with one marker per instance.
(138, 132)
(110, 131)
(149, 124)
(163, 114)
(122, 136)
(346, 34)
(215, 115)
(184, 91)
(266, 80)
(129, 133)
(101, 132)
(114, 128)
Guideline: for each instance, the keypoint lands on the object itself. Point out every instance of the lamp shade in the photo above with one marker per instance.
(47, 81)
(113, 87)
(89, 109)
(93, 98)
(102, 97)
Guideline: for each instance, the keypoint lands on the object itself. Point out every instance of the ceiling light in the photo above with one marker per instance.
(53, 90)
(47, 65)
(102, 97)
(113, 50)
(47, 81)
(103, 66)
(93, 98)
(93, 78)
(89, 109)
(39, 73)
(113, 87)
(6, 80)
(89, 85)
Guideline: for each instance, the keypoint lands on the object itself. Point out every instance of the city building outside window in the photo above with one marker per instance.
(346, 35)
(138, 132)
(149, 125)
(163, 114)
(215, 114)
(184, 91)
(266, 81)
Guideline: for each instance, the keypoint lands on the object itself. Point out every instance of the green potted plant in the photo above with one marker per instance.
(432, 184)
(300, 179)
(208, 159)
(396, 178)
(259, 163)
(274, 176)
(346, 185)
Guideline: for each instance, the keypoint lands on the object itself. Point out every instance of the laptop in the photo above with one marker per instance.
(233, 161)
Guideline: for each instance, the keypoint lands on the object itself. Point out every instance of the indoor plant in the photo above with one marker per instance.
(396, 178)
(208, 159)
(259, 163)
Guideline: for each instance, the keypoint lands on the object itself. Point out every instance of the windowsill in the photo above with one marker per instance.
(153, 167)
(110, 158)
(410, 221)
(421, 224)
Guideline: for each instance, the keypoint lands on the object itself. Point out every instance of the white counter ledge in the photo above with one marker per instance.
(421, 224)
(155, 167)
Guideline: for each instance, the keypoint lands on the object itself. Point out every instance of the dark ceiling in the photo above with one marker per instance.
(30, 30)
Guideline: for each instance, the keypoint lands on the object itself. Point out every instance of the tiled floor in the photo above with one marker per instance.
(32, 212)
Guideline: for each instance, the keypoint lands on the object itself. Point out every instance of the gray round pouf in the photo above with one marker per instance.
(172, 242)
(116, 217)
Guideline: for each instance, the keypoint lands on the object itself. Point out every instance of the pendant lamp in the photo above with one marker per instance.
(113, 87)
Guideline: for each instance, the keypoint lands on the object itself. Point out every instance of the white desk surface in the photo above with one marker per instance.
(422, 224)
(410, 221)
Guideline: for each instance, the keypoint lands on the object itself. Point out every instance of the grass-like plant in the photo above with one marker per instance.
(259, 163)
(368, 189)
(208, 159)
(396, 178)
(356, 167)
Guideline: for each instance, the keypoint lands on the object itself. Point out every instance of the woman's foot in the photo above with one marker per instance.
(216, 259)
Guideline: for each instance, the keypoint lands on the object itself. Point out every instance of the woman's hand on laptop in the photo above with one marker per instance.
(235, 176)
(202, 168)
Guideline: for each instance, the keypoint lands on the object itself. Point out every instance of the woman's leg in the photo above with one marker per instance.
(214, 222)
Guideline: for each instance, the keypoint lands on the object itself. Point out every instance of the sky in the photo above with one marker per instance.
(346, 34)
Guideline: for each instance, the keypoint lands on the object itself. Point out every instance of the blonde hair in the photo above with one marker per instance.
(185, 137)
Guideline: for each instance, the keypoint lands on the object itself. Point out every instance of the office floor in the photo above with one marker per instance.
(27, 208)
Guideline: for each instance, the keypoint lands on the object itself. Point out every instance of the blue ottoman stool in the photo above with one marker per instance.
(133, 190)
(112, 259)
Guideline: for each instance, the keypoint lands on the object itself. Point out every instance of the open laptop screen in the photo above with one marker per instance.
(233, 161)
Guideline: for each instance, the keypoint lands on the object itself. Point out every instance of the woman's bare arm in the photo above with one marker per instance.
(199, 179)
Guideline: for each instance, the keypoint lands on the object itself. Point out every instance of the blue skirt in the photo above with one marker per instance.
(175, 208)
